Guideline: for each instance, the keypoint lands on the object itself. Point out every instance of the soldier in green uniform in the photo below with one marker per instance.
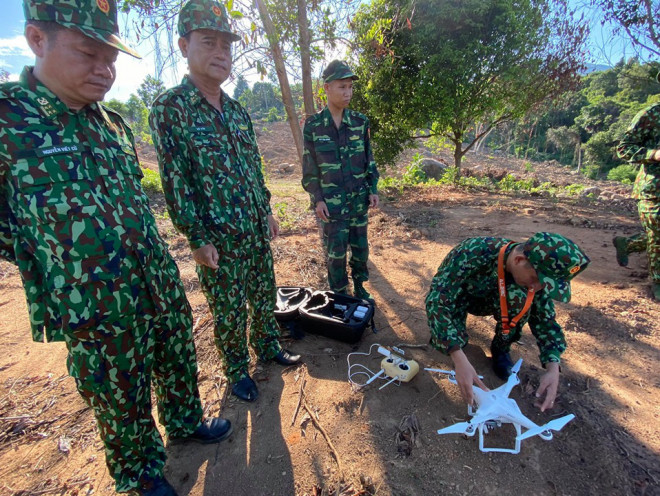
(513, 282)
(97, 275)
(641, 145)
(340, 175)
(211, 172)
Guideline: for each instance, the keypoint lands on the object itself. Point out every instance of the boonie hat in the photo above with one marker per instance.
(556, 260)
(94, 18)
(204, 14)
(338, 69)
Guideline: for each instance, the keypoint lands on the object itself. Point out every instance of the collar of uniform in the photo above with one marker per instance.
(193, 94)
(327, 117)
(45, 100)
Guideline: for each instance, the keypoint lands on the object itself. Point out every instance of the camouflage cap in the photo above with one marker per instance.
(338, 69)
(556, 260)
(204, 14)
(94, 18)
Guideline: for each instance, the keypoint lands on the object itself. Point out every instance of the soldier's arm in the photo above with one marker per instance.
(6, 238)
(636, 144)
(311, 180)
(166, 121)
(372, 169)
(548, 333)
(259, 164)
(446, 293)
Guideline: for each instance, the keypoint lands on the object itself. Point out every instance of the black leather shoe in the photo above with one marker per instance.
(211, 430)
(286, 358)
(245, 389)
(502, 363)
(160, 487)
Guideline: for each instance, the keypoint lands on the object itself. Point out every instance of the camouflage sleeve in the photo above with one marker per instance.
(372, 169)
(6, 238)
(637, 144)
(446, 319)
(166, 121)
(548, 333)
(311, 180)
(257, 160)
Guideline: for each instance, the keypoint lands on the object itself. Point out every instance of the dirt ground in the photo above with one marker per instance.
(385, 441)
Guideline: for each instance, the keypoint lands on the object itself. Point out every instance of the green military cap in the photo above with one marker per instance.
(204, 14)
(338, 69)
(94, 18)
(556, 260)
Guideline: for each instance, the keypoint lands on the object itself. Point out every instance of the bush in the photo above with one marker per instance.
(151, 181)
(625, 173)
(273, 115)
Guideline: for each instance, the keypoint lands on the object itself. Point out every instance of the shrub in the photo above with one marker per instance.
(151, 181)
(624, 173)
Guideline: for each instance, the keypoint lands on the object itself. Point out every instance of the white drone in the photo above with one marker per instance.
(495, 408)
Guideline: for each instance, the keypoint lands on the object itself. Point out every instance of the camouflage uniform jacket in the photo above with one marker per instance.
(73, 215)
(210, 167)
(466, 282)
(639, 143)
(338, 162)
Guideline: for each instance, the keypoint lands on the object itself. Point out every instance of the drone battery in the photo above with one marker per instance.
(336, 316)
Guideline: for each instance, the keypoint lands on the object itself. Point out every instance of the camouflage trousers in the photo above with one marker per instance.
(649, 240)
(114, 369)
(338, 236)
(243, 284)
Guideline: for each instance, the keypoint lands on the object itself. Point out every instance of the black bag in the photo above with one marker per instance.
(336, 316)
(289, 300)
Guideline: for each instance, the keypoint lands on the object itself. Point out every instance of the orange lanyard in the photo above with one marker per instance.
(506, 324)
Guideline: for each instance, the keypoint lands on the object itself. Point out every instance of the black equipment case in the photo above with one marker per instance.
(336, 316)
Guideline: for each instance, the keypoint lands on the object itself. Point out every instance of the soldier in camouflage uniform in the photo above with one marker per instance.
(533, 273)
(211, 172)
(341, 177)
(75, 220)
(641, 145)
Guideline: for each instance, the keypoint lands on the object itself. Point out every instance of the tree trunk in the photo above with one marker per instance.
(305, 59)
(280, 68)
(458, 157)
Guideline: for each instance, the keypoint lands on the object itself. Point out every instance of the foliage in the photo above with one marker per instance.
(241, 86)
(587, 123)
(447, 67)
(136, 115)
(151, 181)
(625, 173)
(150, 89)
(638, 19)
(273, 115)
(4, 76)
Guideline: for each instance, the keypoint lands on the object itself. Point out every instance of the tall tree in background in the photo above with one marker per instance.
(445, 65)
(241, 86)
(150, 89)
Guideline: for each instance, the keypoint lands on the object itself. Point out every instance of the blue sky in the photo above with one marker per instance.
(14, 52)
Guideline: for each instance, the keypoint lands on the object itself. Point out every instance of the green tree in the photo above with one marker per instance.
(150, 89)
(444, 66)
(241, 86)
(4, 76)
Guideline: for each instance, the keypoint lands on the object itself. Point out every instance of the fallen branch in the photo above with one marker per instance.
(325, 435)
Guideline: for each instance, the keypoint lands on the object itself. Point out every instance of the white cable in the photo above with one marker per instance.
(371, 375)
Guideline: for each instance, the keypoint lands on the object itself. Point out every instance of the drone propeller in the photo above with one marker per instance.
(516, 368)
(467, 428)
(544, 430)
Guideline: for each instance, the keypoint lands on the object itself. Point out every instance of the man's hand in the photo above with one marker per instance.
(207, 255)
(466, 376)
(549, 385)
(322, 211)
(656, 156)
(273, 227)
(373, 201)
